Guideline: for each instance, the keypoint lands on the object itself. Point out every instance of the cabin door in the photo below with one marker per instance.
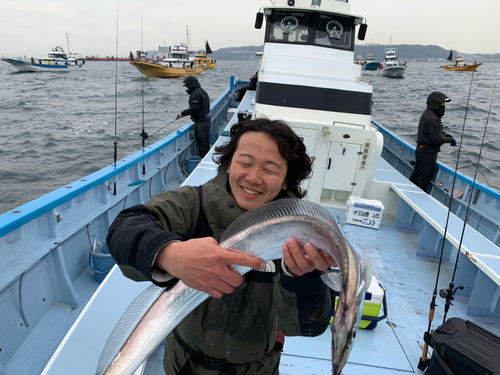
(342, 166)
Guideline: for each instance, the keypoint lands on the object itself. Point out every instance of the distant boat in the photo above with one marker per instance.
(203, 60)
(178, 57)
(392, 67)
(370, 64)
(460, 65)
(150, 70)
(56, 61)
(359, 60)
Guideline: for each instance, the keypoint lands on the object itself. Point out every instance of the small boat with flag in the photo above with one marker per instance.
(203, 60)
(56, 61)
(460, 65)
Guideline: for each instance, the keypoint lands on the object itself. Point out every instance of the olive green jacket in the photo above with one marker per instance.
(241, 327)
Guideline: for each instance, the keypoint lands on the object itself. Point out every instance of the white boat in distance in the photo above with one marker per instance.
(392, 67)
(56, 61)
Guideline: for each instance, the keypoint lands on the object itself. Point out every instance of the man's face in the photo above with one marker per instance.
(257, 171)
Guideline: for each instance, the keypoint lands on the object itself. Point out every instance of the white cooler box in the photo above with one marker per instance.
(365, 212)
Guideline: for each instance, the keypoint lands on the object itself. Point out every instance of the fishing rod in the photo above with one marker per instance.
(475, 165)
(143, 134)
(449, 294)
(423, 363)
(116, 93)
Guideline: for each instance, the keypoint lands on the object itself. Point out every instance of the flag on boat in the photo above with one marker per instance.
(450, 56)
(208, 51)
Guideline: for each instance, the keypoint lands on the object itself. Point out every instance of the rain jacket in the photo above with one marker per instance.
(242, 327)
(199, 102)
(430, 129)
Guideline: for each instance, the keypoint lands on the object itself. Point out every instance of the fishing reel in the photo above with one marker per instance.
(449, 295)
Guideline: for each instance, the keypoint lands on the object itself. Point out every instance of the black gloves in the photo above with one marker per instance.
(453, 143)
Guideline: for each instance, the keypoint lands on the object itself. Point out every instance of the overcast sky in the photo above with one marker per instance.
(31, 28)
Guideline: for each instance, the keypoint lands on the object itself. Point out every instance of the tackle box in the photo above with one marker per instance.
(364, 212)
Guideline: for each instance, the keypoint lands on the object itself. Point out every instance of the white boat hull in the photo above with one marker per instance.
(24, 66)
(394, 71)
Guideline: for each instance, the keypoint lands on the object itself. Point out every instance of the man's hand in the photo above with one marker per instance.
(299, 263)
(203, 265)
(179, 116)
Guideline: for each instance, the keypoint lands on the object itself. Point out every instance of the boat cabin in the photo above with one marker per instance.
(330, 109)
(178, 56)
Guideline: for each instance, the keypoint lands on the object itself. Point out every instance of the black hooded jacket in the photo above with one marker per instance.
(199, 102)
(430, 129)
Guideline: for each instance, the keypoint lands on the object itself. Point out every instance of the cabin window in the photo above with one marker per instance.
(334, 31)
(288, 27)
(311, 28)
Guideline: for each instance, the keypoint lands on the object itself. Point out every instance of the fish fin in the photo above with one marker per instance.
(279, 208)
(333, 280)
(127, 323)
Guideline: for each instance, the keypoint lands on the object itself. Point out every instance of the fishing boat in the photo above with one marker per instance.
(177, 57)
(150, 69)
(392, 67)
(61, 297)
(359, 60)
(56, 61)
(370, 63)
(460, 65)
(203, 60)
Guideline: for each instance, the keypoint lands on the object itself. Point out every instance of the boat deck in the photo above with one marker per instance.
(394, 346)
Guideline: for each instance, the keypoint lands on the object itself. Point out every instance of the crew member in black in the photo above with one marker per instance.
(252, 87)
(429, 140)
(199, 110)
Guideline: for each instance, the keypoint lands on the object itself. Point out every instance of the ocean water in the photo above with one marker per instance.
(58, 128)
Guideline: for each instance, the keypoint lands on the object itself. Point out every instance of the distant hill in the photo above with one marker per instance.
(407, 52)
(237, 53)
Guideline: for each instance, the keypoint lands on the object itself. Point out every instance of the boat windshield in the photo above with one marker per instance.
(310, 28)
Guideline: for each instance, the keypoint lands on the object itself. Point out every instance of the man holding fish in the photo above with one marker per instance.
(175, 237)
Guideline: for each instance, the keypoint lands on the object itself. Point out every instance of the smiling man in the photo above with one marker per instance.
(175, 236)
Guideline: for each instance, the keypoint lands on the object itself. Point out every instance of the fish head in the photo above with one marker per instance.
(347, 318)
(344, 328)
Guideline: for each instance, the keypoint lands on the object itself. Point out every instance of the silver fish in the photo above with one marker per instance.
(262, 232)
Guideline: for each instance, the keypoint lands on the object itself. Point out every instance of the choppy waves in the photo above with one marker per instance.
(58, 128)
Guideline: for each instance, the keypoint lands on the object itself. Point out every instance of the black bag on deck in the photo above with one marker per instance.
(463, 348)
